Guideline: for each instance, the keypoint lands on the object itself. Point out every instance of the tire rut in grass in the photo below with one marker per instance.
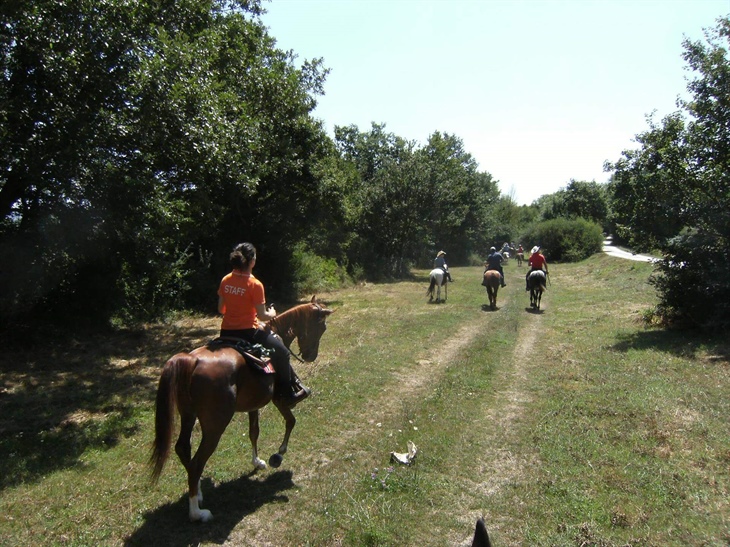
(502, 463)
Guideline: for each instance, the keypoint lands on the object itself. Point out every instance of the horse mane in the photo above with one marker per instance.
(283, 323)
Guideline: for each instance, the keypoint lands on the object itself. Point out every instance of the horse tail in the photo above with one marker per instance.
(431, 286)
(175, 376)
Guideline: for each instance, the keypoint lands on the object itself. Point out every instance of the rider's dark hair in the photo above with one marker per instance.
(242, 254)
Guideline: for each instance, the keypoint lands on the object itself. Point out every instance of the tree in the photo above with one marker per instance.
(128, 126)
(587, 200)
(674, 192)
(411, 201)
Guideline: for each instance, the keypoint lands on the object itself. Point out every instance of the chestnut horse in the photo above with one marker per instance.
(492, 281)
(210, 385)
(536, 282)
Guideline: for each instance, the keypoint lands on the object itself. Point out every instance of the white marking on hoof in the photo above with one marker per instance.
(200, 493)
(258, 463)
(198, 514)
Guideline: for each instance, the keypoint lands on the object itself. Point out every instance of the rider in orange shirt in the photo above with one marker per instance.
(242, 301)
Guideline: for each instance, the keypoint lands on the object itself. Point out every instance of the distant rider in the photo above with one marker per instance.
(494, 262)
(440, 262)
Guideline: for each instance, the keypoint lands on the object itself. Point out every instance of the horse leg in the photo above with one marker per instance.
(213, 423)
(253, 433)
(290, 421)
(182, 446)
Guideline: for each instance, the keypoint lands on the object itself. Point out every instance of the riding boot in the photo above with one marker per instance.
(291, 394)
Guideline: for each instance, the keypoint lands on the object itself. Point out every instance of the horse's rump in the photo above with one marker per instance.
(491, 278)
(437, 273)
(537, 279)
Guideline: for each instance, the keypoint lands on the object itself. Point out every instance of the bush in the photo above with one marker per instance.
(313, 273)
(692, 283)
(565, 240)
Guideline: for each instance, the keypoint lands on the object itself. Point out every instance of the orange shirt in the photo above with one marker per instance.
(241, 294)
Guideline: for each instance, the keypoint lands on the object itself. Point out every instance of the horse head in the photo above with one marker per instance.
(306, 323)
(315, 325)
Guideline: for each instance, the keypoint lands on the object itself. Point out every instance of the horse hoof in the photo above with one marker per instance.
(275, 460)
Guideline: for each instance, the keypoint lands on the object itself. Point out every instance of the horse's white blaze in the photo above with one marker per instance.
(196, 513)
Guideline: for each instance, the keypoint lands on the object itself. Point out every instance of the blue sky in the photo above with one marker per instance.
(540, 91)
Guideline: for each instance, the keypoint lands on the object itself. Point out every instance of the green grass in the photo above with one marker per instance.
(573, 426)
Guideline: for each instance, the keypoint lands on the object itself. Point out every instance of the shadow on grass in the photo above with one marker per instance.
(60, 396)
(680, 343)
(487, 307)
(229, 502)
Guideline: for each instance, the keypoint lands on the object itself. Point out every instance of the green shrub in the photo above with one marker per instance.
(313, 273)
(565, 240)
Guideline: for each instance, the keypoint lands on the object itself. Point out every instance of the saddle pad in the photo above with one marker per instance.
(256, 355)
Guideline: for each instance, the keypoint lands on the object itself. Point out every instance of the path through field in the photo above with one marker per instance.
(496, 466)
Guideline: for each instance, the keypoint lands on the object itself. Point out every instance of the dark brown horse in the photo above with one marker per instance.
(492, 281)
(536, 282)
(210, 385)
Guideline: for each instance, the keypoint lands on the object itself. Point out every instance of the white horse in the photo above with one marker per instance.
(438, 278)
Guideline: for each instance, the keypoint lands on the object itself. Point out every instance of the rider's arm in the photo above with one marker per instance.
(221, 305)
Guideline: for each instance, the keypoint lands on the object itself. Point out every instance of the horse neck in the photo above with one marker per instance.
(287, 324)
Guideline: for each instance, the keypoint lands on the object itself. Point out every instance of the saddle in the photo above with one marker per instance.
(257, 356)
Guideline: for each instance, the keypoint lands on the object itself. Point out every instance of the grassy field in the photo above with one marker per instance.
(574, 426)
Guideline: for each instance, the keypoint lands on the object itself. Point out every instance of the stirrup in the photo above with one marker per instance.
(293, 399)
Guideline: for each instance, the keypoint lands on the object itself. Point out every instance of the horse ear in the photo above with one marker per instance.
(481, 536)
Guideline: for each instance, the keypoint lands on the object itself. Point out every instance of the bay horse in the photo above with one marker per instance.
(520, 258)
(536, 282)
(437, 280)
(492, 280)
(210, 385)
